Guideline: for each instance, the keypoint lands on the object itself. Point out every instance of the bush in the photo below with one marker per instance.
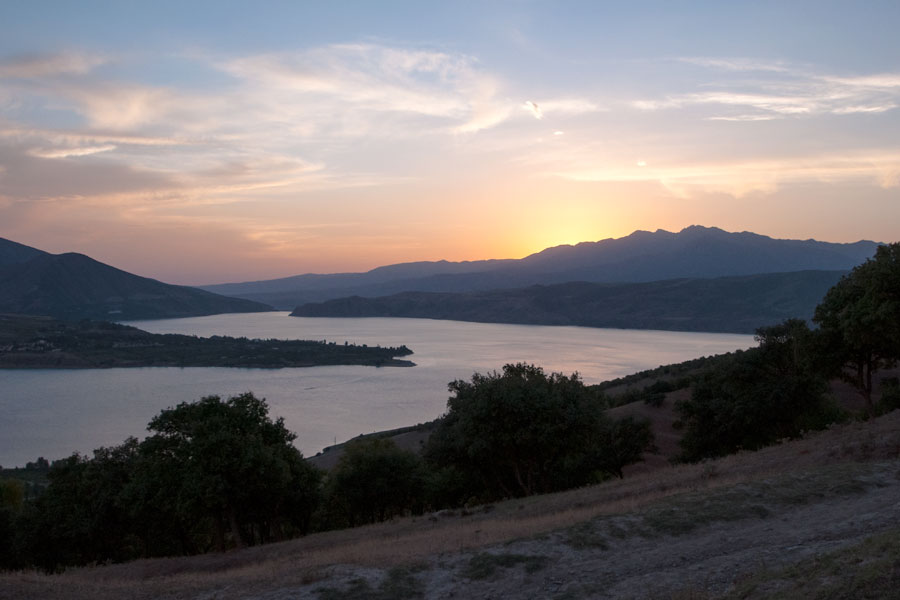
(373, 481)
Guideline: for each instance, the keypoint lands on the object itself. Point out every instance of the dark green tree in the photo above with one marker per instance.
(373, 481)
(214, 474)
(80, 517)
(520, 432)
(752, 398)
(859, 322)
(12, 497)
(623, 442)
(227, 464)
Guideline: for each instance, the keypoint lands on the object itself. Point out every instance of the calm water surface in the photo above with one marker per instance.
(53, 413)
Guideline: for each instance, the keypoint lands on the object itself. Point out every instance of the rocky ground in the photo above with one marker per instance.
(696, 545)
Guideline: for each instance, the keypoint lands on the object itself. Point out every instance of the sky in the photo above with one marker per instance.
(208, 142)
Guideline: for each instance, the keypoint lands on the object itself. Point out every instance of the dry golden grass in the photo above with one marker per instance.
(407, 541)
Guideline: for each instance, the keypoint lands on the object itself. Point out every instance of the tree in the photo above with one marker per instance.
(214, 474)
(226, 463)
(12, 497)
(750, 399)
(859, 322)
(519, 433)
(80, 517)
(623, 443)
(373, 481)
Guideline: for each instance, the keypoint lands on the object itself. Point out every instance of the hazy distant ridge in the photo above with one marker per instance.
(726, 304)
(75, 286)
(694, 252)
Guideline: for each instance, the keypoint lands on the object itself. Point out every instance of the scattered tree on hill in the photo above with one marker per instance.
(859, 321)
(523, 432)
(757, 396)
(373, 481)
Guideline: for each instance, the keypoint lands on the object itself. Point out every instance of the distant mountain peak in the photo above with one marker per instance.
(697, 251)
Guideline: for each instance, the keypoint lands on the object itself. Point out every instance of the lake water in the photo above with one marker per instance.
(53, 413)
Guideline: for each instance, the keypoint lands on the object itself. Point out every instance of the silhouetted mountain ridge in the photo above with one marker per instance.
(643, 256)
(13, 253)
(74, 286)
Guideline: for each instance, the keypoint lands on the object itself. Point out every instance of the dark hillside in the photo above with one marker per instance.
(13, 253)
(74, 286)
(726, 304)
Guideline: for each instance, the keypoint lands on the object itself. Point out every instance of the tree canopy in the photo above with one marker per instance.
(215, 474)
(226, 460)
(374, 480)
(753, 398)
(859, 321)
(522, 432)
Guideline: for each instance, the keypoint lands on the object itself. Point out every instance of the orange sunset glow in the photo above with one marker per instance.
(209, 155)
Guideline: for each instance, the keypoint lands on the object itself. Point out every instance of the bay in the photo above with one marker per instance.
(52, 413)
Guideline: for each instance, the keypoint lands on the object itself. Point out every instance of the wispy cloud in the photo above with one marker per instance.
(879, 108)
(881, 81)
(67, 152)
(788, 91)
(32, 66)
(368, 79)
(740, 178)
(735, 64)
(71, 138)
(123, 107)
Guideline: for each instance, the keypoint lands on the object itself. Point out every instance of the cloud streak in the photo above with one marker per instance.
(789, 92)
(739, 178)
(35, 66)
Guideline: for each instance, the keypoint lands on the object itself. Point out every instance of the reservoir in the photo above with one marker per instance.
(52, 413)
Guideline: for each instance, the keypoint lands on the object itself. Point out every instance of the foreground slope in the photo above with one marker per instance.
(74, 286)
(748, 525)
(643, 256)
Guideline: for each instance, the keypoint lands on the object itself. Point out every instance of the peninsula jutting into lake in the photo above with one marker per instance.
(43, 342)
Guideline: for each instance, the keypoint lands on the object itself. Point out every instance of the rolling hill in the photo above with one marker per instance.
(725, 304)
(73, 286)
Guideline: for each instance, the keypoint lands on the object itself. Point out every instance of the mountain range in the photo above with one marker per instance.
(73, 286)
(693, 253)
(697, 279)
